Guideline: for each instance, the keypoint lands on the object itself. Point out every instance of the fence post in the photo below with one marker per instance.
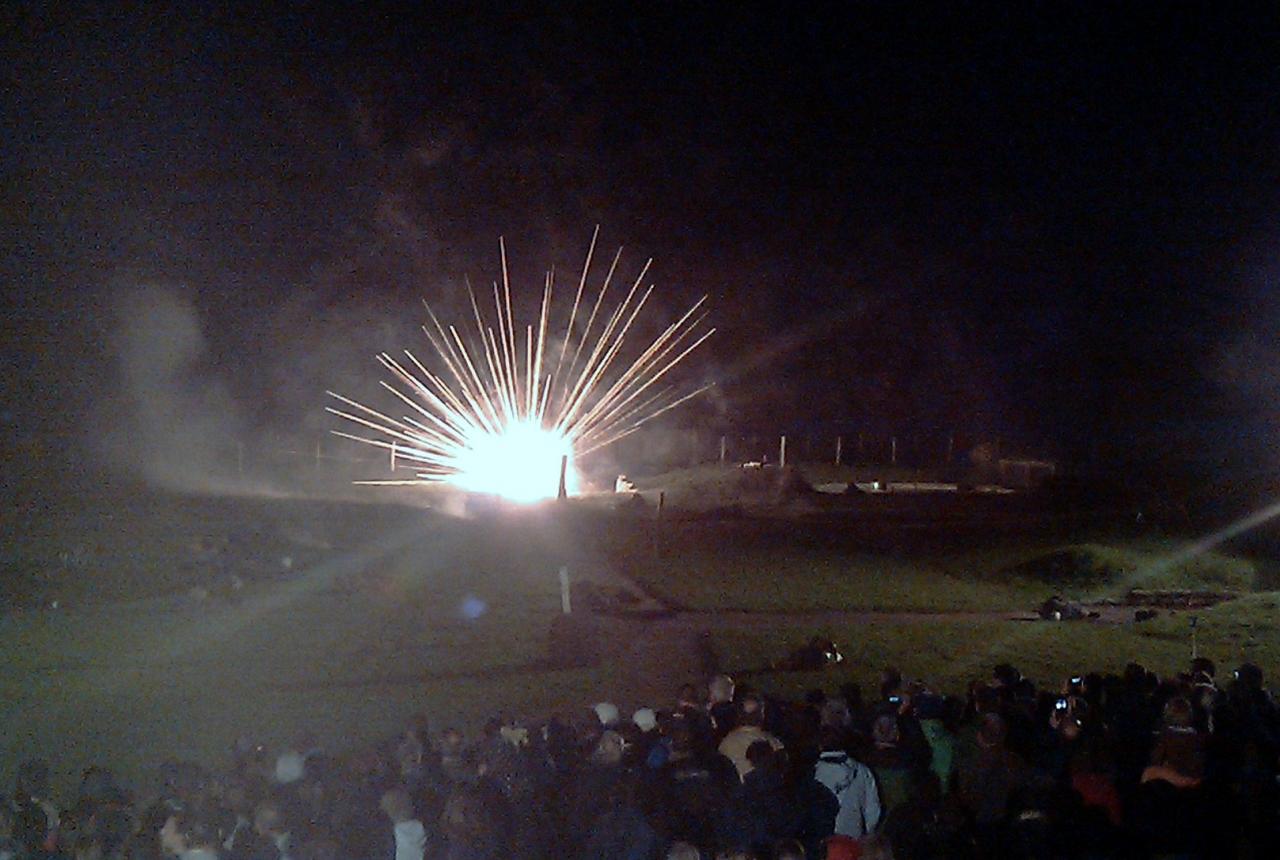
(782, 453)
(393, 455)
(839, 446)
(566, 601)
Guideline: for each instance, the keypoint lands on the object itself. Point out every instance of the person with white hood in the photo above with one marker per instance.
(411, 836)
(853, 784)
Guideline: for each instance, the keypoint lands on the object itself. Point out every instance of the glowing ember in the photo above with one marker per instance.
(500, 418)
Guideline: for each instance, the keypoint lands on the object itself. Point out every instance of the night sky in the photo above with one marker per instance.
(1056, 226)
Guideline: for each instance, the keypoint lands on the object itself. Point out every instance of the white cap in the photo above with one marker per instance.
(645, 719)
(290, 767)
(607, 713)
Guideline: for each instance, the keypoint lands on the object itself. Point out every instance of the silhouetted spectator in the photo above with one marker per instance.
(750, 728)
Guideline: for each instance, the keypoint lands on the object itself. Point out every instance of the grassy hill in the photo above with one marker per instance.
(349, 618)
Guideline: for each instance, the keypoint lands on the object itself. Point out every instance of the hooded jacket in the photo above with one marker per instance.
(854, 786)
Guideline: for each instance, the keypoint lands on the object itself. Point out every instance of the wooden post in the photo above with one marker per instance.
(566, 602)
(893, 450)
(782, 453)
(662, 502)
(393, 455)
(839, 448)
(562, 492)
(722, 450)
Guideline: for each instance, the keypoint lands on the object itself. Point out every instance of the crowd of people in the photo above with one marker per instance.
(1100, 767)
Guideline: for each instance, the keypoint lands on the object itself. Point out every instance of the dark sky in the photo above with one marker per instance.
(1055, 225)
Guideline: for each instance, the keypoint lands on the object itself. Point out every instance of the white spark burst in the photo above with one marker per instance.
(500, 417)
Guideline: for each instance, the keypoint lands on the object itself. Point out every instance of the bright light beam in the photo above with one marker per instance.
(493, 423)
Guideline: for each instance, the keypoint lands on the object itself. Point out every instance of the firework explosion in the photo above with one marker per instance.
(504, 411)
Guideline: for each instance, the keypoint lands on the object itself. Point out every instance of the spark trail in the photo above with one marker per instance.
(503, 407)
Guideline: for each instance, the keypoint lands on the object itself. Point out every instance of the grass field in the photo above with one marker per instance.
(354, 617)
(947, 655)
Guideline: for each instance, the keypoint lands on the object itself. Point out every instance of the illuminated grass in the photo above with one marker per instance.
(450, 618)
(789, 579)
(947, 655)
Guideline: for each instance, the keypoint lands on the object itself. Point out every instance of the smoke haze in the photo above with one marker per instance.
(173, 419)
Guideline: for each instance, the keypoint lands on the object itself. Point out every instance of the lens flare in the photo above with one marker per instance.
(501, 412)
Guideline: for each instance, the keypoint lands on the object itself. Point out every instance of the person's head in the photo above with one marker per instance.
(290, 767)
(451, 743)
(1069, 728)
(890, 681)
(851, 692)
(607, 714)
(835, 713)
(788, 849)
(645, 719)
(986, 699)
(268, 820)
(465, 816)
(1178, 713)
(750, 710)
(397, 805)
(841, 848)
(720, 689)
(681, 737)
(683, 851)
(884, 731)
(235, 795)
(87, 847)
(609, 750)
(187, 830)
(98, 785)
(1203, 665)
(991, 731)
(1005, 675)
(759, 754)
(115, 825)
(1135, 675)
(929, 707)
(876, 847)
(33, 778)
(1249, 676)
(319, 848)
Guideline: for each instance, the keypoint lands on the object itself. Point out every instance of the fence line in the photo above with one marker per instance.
(332, 456)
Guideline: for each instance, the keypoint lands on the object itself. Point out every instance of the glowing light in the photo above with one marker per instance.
(502, 410)
(522, 463)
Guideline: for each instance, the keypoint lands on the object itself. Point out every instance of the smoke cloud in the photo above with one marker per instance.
(172, 419)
